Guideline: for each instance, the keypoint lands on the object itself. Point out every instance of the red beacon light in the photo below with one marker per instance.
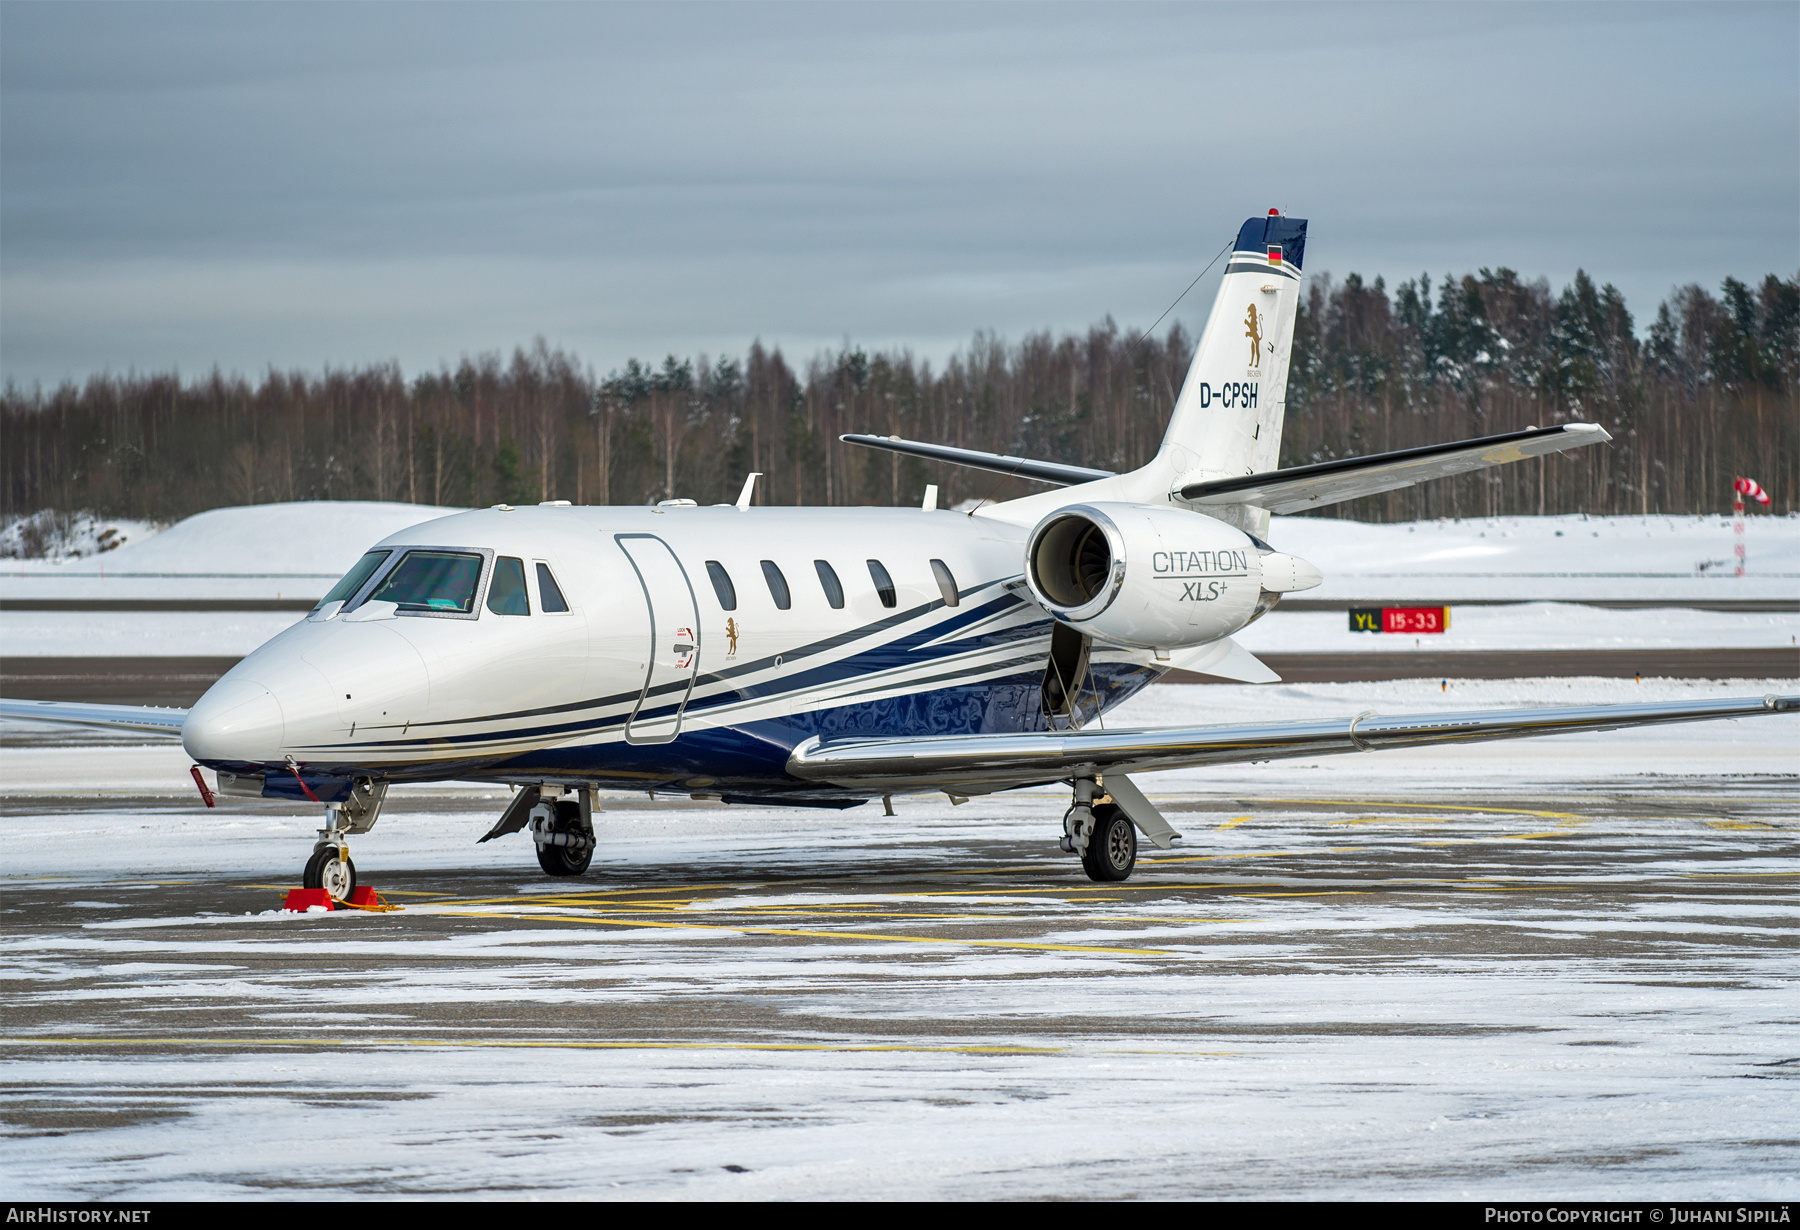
(1274, 213)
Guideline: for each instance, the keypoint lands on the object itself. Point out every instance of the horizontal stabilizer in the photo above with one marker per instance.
(1223, 659)
(1332, 482)
(115, 717)
(976, 764)
(1017, 467)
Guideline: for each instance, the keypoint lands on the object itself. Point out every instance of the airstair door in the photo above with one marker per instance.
(674, 648)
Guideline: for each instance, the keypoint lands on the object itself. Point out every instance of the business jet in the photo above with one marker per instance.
(831, 657)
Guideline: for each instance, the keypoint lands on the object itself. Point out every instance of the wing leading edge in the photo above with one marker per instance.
(115, 717)
(979, 764)
(1299, 488)
(999, 463)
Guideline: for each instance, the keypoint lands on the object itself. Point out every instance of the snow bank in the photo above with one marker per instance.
(292, 550)
(1570, 557)
(59, 536)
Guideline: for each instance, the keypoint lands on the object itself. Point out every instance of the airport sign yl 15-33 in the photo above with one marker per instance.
(1411, 620)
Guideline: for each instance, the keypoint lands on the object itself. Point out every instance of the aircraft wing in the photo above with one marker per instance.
(1018, 467)
(117, 717)
(979, 764)
(1299, 488)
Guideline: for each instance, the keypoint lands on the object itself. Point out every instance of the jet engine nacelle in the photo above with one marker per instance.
(1152, 577)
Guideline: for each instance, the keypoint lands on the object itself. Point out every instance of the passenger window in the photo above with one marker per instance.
(884, 584)
(834, 593)
(946, 582)
(353, 580)
(778, 589)
(550, 598)
(432, 581)
(722, 585)
(506, 592)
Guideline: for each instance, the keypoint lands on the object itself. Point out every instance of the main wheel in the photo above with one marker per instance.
(335, 875)
(566, 860)
(1112, 849)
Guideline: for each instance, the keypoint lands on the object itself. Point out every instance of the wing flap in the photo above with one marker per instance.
(984, 763)
(1331, 482)
(145, 718)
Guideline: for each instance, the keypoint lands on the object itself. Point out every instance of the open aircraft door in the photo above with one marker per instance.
(674, 649)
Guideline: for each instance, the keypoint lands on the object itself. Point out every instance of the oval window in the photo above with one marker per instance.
(884, 584)
(722, 586)
(946, 582)
(828, 581)
(778, 587)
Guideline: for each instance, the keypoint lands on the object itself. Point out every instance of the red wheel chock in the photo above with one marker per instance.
(362, 897)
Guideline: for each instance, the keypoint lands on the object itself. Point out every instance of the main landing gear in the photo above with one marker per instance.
(562, 827)
(1098, 829)
(330, 867)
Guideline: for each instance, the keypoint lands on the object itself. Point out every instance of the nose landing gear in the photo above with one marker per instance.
(330, 867)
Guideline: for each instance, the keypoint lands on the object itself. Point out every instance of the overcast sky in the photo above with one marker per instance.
(313, 184)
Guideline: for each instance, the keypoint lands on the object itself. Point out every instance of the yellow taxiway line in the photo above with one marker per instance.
(339, 1042)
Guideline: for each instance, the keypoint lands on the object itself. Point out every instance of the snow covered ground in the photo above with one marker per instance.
(1552, 969)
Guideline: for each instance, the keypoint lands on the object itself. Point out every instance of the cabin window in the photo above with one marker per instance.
(834, 592)
(432, 581)
(778, 589)
(884, 584)
(354, 580)
(506, 592)
(550, 598)
(946, 582)
(722, 585)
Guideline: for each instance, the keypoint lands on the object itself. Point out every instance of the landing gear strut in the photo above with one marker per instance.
(330, 867)
(1101, 833)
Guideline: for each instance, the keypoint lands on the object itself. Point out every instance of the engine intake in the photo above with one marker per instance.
(1143, 575)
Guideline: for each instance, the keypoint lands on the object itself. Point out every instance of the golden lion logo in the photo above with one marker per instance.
(731, 635)
(1254, 333)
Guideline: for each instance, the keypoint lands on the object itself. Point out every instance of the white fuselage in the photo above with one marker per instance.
(649, 678)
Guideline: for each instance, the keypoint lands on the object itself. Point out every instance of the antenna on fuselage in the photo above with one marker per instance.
(743, 500)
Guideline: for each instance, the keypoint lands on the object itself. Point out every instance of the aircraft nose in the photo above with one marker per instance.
(237, 720)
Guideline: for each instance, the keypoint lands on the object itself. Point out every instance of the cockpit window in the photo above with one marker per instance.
(353, 580)
(506, 592)
(442, 581)
(549, 595)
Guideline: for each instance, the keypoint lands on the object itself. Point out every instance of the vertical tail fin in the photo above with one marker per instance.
(1227, 420)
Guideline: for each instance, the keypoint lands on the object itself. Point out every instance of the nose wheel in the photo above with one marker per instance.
(330, 868)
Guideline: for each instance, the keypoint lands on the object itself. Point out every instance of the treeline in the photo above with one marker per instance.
(1708, 393)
